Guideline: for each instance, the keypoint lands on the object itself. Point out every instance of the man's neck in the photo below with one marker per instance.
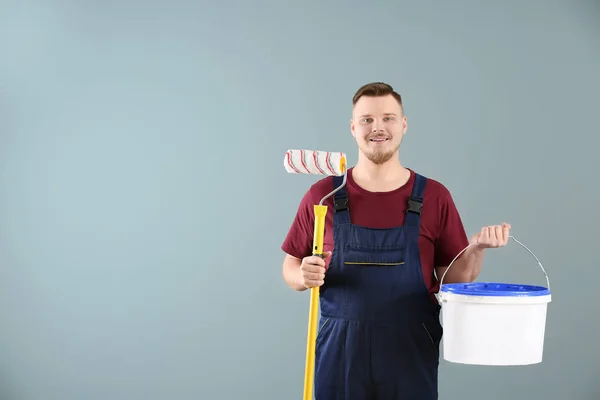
(380, 178)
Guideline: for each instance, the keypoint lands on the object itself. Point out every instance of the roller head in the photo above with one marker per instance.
(315, 162)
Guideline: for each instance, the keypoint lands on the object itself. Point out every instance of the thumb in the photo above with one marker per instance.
(326, 254)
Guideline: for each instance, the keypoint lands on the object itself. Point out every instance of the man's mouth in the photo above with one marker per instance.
(378, 139)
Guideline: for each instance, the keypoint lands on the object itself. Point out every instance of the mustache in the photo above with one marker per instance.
(379, 136)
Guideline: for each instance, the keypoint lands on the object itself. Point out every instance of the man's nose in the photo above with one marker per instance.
(376, 127)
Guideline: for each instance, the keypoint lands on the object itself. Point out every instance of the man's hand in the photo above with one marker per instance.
(312, 270)
(492, 236)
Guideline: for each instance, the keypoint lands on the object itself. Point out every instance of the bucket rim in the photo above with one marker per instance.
(496, 289)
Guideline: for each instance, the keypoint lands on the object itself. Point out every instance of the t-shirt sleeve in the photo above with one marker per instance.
(299, 239)
(452, 238)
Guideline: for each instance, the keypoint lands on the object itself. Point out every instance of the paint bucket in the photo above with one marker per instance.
(489, 323)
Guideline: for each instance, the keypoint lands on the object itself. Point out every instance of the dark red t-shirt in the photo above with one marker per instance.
(442, 234)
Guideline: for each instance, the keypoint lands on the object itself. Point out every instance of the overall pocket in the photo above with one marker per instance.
(323, 322)
(384, 264)
(356, 255)
(433, 331)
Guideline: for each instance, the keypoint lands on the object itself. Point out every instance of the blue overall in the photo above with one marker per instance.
(379, 330)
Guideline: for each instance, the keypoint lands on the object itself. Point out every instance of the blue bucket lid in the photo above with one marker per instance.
(495, 289)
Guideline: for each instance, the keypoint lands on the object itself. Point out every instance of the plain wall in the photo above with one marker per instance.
(143, 199)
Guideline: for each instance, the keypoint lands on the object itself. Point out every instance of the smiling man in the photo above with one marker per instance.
(391, 232)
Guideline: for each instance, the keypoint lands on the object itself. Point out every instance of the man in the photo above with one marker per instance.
(389, 231)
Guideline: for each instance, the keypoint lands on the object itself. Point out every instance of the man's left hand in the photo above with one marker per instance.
(492, 236)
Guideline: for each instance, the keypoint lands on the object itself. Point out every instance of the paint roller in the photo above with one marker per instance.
(318, 163)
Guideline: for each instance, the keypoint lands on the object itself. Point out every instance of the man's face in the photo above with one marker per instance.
(378, 125)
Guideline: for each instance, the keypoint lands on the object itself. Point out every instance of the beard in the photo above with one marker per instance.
(379, 156)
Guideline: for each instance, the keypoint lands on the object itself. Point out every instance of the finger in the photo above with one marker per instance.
(484, 237)
(490, 235)
(313, 269)
(314, 260)
(310, 284)
(505, 232)
(313, 280)
(314, 276)
(492, 230)
(499, 235)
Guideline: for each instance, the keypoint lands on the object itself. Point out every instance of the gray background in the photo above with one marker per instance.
(143, 197)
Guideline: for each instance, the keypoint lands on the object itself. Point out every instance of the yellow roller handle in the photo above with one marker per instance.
(309, 370)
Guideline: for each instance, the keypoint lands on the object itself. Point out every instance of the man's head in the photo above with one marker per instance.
(378, 121)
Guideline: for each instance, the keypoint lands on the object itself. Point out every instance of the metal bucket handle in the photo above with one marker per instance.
(511, 237)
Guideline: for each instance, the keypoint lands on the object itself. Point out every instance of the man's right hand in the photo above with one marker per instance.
(312, 270)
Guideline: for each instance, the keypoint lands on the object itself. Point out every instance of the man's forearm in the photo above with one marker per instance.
(291, 273)
(467, 267)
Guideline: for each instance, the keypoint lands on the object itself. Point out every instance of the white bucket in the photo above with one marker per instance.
(492, 323)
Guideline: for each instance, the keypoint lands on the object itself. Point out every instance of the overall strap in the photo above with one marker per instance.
(415, 202)
(340, 202)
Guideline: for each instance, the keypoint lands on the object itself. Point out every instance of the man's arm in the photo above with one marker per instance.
(298, 243)
(306, 273)
(452, 240)
(291, 272)
(467, 267)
